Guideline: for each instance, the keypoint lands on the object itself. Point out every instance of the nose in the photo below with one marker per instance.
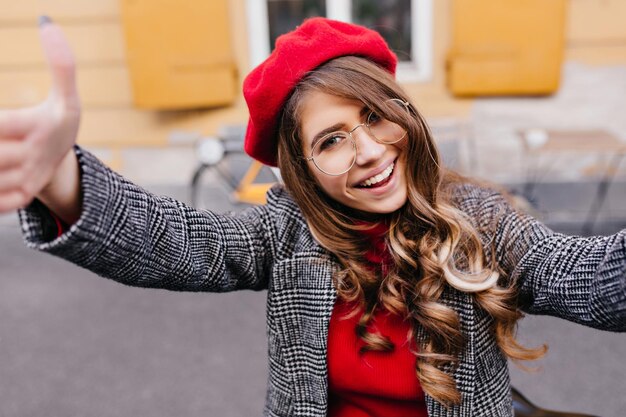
(367, 148)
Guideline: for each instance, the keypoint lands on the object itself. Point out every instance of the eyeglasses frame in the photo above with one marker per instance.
(406, 104)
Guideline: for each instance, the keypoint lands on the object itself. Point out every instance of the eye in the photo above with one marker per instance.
(331, 141)
(373, 118)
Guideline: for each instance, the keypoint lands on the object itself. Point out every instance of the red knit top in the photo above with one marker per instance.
(372, 384)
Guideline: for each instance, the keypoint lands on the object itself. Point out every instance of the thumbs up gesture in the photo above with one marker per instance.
(35, 142)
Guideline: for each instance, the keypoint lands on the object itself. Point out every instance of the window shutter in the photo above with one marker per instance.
(179, 53)
(506, 47)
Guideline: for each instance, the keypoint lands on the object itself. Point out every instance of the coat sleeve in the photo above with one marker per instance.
(580, 279)
(129, 235)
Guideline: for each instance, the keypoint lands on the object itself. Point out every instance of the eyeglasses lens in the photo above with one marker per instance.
(335, 153)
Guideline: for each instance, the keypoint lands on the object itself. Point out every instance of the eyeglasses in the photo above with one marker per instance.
(335, 153)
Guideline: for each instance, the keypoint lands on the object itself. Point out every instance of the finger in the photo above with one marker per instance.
(12, 154)
(60, 60)
(13, 200)
(11, 180)
(15, 124)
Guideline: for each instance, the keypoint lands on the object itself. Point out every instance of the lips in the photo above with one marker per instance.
(380, 179)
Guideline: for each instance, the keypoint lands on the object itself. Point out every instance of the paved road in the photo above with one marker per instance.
(73, 344)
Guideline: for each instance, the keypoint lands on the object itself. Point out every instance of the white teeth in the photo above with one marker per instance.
(378, 178)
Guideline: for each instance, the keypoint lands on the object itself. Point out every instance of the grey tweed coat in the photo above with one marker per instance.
(139, 239)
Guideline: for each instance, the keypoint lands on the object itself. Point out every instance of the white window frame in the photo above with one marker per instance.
(418, 70)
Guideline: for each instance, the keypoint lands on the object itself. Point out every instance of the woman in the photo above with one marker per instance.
(393, 286)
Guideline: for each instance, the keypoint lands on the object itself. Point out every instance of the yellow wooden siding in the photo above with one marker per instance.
(596, 33)
(97, 43)
(600, 54)
(26, 11)
(119, 127)
(99, 86)
(100, 56)
(597, 20)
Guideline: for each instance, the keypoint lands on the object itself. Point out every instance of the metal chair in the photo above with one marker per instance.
(216, 154)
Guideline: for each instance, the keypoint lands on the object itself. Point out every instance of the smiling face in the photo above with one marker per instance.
(376, 182)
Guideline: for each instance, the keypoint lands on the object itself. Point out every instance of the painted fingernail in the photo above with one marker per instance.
(44, 20)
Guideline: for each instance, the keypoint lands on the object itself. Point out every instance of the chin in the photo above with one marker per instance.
(373, 211)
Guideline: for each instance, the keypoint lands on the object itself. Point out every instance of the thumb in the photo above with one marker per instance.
(60, 60)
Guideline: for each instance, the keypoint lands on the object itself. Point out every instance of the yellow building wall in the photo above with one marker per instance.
(94, 30)
(595, 35)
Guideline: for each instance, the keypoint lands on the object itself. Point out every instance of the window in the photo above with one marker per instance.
(406, 25)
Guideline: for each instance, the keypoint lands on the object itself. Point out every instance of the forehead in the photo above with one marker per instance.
(319, 111)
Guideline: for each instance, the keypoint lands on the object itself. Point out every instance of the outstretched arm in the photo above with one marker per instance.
(134, 237)
(117, 229)
(579, 279)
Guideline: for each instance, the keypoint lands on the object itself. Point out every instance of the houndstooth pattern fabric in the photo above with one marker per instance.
(143, 240)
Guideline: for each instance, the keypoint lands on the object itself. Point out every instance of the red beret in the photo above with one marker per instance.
(311, 44)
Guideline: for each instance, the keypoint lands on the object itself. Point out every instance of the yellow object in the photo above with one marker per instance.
(179, 53)
(506, 47)
(248, 191)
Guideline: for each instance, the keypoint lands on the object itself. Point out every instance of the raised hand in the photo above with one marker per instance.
(36, 142)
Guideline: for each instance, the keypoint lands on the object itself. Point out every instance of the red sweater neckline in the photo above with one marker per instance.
(372, 384)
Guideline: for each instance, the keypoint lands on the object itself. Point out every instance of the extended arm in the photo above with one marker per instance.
(579, 279)
(137, 238)
(116, 229)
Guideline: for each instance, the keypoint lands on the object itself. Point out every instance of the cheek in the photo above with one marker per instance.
(403, 158)
(402, 148)
(332, 186)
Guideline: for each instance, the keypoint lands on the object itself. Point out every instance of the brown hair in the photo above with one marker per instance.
(431, 242)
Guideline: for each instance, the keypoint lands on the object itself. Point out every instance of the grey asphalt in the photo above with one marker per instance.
(73, 344)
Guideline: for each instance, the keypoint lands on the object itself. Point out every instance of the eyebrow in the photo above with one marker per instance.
(336, 127)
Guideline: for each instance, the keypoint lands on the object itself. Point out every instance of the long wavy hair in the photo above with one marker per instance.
(433, 245)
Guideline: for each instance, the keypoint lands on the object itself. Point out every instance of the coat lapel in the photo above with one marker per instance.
(464, 375)
(304, 328)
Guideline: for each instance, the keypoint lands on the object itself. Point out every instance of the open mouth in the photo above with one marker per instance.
(380, 179)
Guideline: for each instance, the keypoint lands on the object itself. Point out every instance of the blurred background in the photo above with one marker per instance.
(529, 95)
